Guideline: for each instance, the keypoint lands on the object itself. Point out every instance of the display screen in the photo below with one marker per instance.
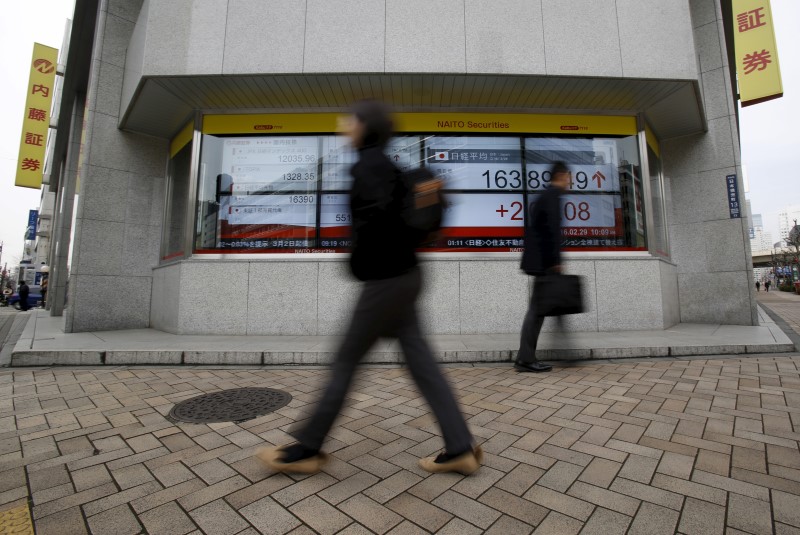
(291, 193)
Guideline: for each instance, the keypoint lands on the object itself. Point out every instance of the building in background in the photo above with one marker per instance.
(788, 217)
(212, 185)
(760, 239)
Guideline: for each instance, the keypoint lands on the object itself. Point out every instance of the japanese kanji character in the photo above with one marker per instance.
(750, 20)
(33, 139)
(43, 89)
(37, 114)
(31, 164)
(756, 61)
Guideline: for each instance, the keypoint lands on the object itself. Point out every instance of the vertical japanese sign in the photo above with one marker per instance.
(30, 230)
(733, 196)
(36, 122)
(757, 66)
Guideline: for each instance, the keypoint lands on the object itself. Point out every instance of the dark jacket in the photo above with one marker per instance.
(23, 291)
(382, 245)
(543, 234)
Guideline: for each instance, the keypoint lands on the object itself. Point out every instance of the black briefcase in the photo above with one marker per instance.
(558, 295)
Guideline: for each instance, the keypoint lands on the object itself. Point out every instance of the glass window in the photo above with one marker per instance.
(273, 193)
(598, 210)
(258, 192)
(483, 183)
(659, 230)
(179, 174)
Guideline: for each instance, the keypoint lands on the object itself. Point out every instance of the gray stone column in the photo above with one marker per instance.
(119, 215)
(62, 214)
(710, 248)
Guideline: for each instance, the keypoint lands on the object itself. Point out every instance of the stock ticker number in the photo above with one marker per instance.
(578, 181)
(516, 215)
(299, 176)
(302, 199)
(579, 211)
(503, 179)
(297, 158)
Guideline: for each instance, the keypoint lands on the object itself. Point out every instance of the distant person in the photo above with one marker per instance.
(383, 258)
(758, 286)
(542, 256)
(767, 285)
(24, 291)
(44, 292)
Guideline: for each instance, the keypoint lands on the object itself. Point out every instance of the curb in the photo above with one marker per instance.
(27, 357)
(781, 323)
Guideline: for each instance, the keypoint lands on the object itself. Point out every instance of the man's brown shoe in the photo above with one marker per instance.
(466, 463)
(273, 458)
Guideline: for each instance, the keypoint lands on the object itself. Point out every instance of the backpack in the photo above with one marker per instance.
(423, 205)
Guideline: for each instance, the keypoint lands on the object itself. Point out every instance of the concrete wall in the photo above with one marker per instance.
(119, 215)
(710, 249)
(462, 296)
(567, 37)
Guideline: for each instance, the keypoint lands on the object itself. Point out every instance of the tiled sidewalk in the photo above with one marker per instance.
(785, 304)
(658, 446)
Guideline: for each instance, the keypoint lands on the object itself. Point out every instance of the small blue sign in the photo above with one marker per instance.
(33, 217)
(733, 196)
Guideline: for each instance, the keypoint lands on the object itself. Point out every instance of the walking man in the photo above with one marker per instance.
(383, 258)
(542, 256)
(24, 291)
(758, 286)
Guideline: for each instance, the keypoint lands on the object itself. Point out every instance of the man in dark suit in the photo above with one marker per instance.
(24, 291)
(542, 256)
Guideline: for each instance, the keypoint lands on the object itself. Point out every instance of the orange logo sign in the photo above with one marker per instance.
(44, 66)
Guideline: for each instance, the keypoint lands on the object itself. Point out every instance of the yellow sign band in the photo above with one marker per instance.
(757, 65)
(36, 120)
(183, 138)
(310, 123)
(652, 140)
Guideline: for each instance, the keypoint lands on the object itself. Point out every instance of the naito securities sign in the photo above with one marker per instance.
(36, 122)
(759, 73)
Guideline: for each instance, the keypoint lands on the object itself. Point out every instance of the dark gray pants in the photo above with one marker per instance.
(387, 308)
(531, 329)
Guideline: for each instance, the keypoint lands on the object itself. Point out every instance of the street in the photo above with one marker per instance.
(655, 446)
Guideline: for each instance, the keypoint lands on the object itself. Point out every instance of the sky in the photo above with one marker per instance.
(22, 24)
(770, 132)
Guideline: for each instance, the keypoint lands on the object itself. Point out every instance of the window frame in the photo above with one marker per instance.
(641, 136)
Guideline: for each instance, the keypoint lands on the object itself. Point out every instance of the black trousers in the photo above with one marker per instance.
(387, 308)
(531, 329)
(23, 303)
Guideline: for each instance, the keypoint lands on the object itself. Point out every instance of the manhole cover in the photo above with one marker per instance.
(234, 405)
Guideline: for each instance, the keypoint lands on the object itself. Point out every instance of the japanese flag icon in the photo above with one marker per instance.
(442, 156)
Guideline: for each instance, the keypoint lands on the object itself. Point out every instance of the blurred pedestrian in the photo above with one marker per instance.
(542, 256)
(44, 291)
(383, 258)
(24, 291)
(767, 285)
(758, 286)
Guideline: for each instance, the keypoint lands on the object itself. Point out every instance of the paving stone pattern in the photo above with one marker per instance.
(659, 446)
(785, 304)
